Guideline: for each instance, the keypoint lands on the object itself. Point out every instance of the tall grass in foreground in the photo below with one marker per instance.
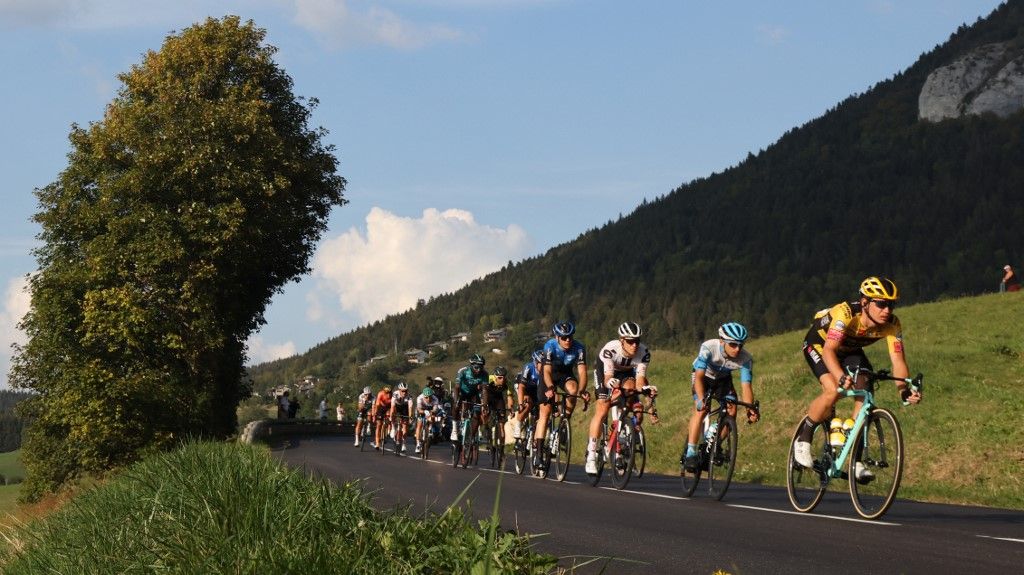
(225, 508)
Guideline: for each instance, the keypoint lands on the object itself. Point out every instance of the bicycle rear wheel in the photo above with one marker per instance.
(602, 445)
(365, 435)
(723, 459)
(621, 458)
(640, 454)
(562, 449)
(804, 486)
(879, 449)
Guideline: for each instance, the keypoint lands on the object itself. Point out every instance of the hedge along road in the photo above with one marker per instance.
(753, 530)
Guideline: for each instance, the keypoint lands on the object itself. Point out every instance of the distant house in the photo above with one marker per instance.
(373, 359)
(495, 335)
(459, 337)
(437, 345)
(415, 356)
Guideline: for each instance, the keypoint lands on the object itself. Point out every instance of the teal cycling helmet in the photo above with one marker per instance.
(733, 331)
(477, 360)
(428, 391)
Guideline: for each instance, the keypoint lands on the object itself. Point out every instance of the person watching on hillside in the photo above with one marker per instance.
(835, 343)
(526, 385)
(381, 407)
(712, 376)
(363, 416)
(469, 389)
(562, 354)
(620, 373)
(1010, 281)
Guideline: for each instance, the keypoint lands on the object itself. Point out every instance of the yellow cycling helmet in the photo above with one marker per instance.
(879, 288)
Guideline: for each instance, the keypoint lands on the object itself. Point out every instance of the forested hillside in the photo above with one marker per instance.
(864, 189)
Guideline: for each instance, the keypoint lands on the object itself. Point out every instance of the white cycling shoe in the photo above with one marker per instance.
(591, 466)
(802, 454)
(862, 474)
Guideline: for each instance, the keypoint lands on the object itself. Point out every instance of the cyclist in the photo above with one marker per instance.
(469, 388)
(363, 404)
(526, 390)
(497, 400)
(381, 406)
(562, 353)
(401, 405)
(712, 371)
(620, 372)
(836, 341)
(426, 404)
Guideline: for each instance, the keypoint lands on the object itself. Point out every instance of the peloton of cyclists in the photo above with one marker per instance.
(620, 374)
(526, 385)
(712, 372)
(469, 387)
(401, 406)
(562, 356)
(363, 404)
(497, 400)
(836, 341)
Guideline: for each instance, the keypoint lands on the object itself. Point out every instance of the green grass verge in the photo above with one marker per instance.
(226, 508)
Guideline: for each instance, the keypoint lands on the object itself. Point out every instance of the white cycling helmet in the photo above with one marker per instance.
(366, 389)
(402, 386)
(630, 330)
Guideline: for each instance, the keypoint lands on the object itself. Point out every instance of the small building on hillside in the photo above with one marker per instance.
(415, 356)
(496, 335)
(462, 336)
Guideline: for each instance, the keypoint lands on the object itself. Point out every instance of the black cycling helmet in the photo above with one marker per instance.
(500, 370)
(477, 360)
(563, 329)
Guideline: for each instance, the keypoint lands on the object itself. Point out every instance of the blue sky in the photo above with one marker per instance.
(471, 132)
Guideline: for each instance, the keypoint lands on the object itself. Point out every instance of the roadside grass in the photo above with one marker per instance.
(230, 508)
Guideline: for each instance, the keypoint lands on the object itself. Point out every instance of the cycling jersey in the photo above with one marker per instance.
(562, 361)
(469, 386)
(496, 396)
(613, 359)
(382, 404)
(529, 377)
(400, 400)
(841, 323)
(364, 402)
(719, 366)
(426, 404)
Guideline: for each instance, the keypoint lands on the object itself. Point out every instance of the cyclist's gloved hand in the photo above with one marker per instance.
(752, 416)
(613, 383)
(649, 390)
(909, 396)
(549, 393)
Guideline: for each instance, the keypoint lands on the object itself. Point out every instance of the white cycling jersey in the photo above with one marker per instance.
(614, 359)
(424, 403)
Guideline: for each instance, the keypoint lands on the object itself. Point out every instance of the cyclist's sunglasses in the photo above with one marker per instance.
(565, 337)
(630, 340)
(734, 344)
(884, 303)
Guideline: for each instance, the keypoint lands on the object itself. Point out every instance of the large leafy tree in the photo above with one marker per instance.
(199, 195)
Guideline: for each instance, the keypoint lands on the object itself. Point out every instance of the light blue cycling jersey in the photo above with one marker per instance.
(531, 376)
(717, 365)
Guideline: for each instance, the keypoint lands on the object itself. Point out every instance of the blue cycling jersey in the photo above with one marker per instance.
(531, 376)
(562, 361)
(717, 365)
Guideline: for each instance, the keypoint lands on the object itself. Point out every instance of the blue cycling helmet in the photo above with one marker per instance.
(538, 356)
(733, 331)
(563, 329)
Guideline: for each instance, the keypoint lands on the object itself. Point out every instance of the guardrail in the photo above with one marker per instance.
(270, 429)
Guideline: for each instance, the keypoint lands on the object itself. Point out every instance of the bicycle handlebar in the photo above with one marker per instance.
(915, 384)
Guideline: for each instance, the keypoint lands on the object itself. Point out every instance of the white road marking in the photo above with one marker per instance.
(1002, 538)
(788, 512)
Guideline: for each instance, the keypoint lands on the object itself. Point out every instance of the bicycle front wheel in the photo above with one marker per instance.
(723, 459)
(562, 449)
(621, 458)
(879, 453)
(640, 454)
(690, 478)
(806, 486)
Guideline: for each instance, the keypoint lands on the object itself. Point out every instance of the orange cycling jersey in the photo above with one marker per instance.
(383, 401)
(842, 323)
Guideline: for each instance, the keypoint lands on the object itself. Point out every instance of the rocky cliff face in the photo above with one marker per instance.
(987, 79)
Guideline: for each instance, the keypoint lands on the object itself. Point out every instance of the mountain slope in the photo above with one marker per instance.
(865, 189)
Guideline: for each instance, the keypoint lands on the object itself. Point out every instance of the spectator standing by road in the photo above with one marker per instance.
(293, 408)
(323, 408)
(340, 410)
(1010, 280)
(283, 405)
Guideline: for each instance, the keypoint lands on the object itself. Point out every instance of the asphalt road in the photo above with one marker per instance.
(649, 528)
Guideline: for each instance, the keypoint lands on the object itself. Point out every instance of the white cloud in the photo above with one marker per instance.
(261, 351)
(400, 260)
(773, 35)
(16, 302)
(336, 25)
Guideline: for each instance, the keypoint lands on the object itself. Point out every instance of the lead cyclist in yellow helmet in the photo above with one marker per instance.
(836, 342)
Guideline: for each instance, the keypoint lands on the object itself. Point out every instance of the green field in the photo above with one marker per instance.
(10, 466)
(964, 442)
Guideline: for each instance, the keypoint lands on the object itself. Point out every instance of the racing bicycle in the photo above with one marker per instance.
(716, 448)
